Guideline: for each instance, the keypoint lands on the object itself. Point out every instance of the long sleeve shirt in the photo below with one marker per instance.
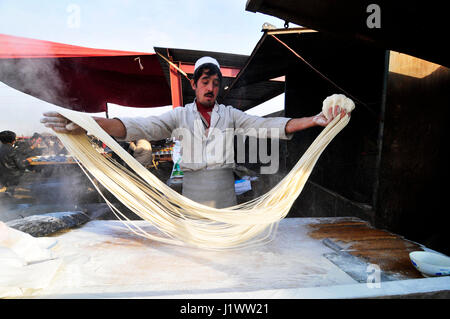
(202, 147)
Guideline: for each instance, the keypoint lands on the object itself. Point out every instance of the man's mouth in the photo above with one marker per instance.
(209, 95)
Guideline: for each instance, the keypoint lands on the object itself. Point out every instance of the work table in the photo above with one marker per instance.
(308, 258)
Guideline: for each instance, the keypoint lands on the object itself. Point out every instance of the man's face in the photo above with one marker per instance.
(206, 89)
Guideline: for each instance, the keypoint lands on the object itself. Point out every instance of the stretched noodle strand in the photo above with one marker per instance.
(180, 220)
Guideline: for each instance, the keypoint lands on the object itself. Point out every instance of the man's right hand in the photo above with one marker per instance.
(60, 124)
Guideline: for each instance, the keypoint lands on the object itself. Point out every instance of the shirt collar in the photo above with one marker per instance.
(214, 109)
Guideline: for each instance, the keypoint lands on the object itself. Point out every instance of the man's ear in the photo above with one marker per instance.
(193, 84)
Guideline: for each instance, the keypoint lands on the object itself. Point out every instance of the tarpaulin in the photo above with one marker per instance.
(81, 78)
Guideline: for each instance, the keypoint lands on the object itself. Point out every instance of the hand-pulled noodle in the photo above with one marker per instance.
(180, 220)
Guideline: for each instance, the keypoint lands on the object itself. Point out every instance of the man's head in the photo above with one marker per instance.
(7, 137)
(206, 81)
(36, 135)
(36, 138)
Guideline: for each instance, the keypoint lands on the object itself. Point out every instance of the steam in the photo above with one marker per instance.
(37, 77)
(57, 187)
(41, 78)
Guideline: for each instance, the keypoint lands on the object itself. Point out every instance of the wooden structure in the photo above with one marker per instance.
(385, 167)
(103, 259)
(357, 238)
(230, 66)
(413, 27)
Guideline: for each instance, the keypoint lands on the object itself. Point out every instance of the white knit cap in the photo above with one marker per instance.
(206, 59)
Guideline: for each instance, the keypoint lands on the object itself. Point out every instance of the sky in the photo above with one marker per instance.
(129, 25)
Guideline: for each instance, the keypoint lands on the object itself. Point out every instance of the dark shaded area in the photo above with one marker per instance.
(388, 165)
(389, 172)
(409, 26)
(348, 165)
(414, 167)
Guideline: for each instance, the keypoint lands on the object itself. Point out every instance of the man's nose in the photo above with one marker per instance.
(210, 86)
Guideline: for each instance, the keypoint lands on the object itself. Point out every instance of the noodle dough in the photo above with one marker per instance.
(181, 220)
(337, 99)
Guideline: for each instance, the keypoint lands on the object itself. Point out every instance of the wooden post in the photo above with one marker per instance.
(176, 87)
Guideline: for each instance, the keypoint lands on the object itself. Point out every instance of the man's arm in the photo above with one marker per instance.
(149, 128)
(60, 124)
(113, 127)
(287, 125)
(298, 124)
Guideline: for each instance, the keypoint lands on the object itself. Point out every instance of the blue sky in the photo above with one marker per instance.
(132, 25)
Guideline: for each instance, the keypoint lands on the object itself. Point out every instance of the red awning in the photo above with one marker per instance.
(80, 78)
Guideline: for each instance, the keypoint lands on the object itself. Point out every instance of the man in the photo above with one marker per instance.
(206, 179)
(12, 165)
(30, 147)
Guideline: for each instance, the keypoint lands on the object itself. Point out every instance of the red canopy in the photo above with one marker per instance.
(80, 78)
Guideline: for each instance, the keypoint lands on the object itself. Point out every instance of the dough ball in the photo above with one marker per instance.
(337, 99)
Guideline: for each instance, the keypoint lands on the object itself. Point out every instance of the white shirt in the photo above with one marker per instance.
(204, 148)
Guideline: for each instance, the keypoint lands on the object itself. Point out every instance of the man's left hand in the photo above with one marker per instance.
(321, 120)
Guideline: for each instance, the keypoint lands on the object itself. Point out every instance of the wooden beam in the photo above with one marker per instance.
(176, 88)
